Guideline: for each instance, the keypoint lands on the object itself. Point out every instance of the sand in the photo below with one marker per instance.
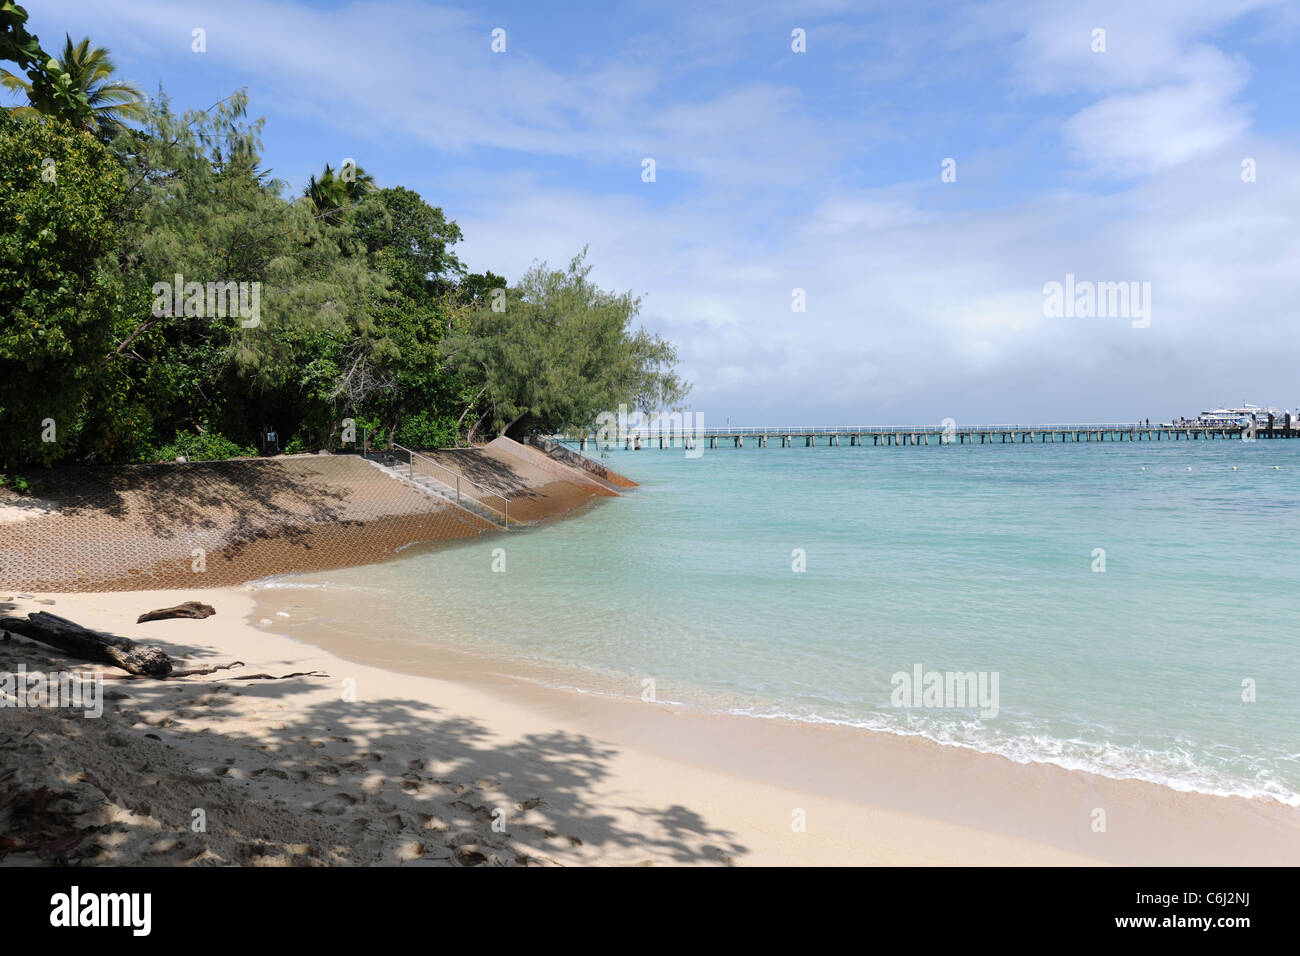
(418, 770)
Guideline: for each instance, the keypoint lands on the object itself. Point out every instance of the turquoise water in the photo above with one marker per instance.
(955, 558)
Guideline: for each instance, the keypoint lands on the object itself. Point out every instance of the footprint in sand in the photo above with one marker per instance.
(411, 850)
(335, 805)
(469, 855)
(481, 813)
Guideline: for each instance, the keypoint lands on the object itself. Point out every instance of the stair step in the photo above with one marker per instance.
(443, 491)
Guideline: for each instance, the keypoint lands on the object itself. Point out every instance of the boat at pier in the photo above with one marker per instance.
(1220, 417)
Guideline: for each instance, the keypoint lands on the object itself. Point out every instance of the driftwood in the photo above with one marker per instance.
(90, 645)
(273, 677)
(199, 671)
(188, 609)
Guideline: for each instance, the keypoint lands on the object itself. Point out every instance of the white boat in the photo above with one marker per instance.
(1227, 417)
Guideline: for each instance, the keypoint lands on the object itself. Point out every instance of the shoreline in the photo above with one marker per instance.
(336, 632)
(637, 783)
(815, 753)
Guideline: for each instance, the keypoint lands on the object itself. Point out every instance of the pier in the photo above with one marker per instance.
(904, 435)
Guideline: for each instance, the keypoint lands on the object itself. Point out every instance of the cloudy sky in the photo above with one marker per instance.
(822, 170)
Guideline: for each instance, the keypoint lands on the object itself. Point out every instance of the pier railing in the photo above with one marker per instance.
(881, 429)
(776, 430)
(463, 488)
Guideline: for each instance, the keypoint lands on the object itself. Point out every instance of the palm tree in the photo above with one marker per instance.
(331, 192)
(110, 103)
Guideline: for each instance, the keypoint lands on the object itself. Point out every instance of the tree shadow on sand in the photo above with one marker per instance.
(388, 781)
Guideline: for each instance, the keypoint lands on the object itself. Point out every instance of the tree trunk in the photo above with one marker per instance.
(475, 434)
(90, 645)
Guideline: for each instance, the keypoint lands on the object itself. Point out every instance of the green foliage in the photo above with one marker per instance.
(204, 210)
(57, 303)
(16, 43)
(86, 95)
(365, 311)
(477, 289)
(16, 483)
(411, 241)
(333, 195)
(562, 351)
(425, 429)
(206, 446)
(46, 80)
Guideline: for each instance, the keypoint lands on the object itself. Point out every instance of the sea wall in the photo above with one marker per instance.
(213, 524)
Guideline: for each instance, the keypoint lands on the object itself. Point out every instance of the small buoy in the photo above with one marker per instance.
(1189, 467)
(1234, 467)
(1277, 467)
(1144, 467)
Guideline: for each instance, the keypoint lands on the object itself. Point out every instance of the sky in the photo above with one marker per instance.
(861, 231)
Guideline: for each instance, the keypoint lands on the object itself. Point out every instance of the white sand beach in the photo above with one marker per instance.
(346, 763)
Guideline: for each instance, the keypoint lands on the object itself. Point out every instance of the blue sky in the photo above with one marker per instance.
(778, 170)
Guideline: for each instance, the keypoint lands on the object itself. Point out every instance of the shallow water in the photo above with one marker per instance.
(955, 558)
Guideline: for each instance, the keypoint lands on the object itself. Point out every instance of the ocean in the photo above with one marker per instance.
(1129, 608)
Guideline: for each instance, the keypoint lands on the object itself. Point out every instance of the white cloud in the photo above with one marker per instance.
(1133, 134)
(908, 314)
(1166, 94)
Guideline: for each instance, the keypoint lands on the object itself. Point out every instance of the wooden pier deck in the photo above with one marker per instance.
(902, 435)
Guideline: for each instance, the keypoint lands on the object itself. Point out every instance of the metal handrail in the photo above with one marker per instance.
(457, 479)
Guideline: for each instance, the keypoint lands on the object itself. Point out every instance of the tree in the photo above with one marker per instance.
(199, 207)
(101, 105)
(46, 81)
(411, 241)
(394, 377)
(477, 289)
(562, 351)
(58, 191)
(332, 195)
